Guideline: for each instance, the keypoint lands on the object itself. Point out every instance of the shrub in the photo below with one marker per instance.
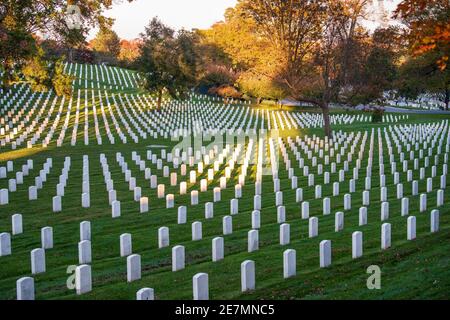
(377, 115)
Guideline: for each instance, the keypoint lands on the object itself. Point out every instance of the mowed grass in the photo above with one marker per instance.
(410, 269)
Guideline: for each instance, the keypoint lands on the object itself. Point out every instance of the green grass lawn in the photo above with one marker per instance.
(415, 269)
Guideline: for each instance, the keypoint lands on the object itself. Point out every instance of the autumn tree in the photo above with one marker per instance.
(168, 60)
(347, 19)
(306, 35)
(322, 50)
(129, 51)
(425, 70)
(428, 27)
(234, 52)
(374, 66)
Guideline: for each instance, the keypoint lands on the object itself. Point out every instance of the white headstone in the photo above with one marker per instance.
(133, 267)
(17, 224)
(85, 200)
(143, 204)
(405, 207)
(83, 279)
(5, 244)
(440, 198)
(137, 193)
(339, 221)
(196, 231)
(362, 216)
(178, 258)
(326, 206)
(112, 196)
(384, 211)
(257, 202)
(305, 210)
(325, 253)
(335, 188)
(200, 286)
(84, 252)
(299, 195)
(217, 249)
(256, 219)
(247, 275)
(234, 206)
(411, 233)
(194, 197)
(289, 263)
(253, 240)
(145, 294)
(37, 261)
(4, 198)
(12, 186)
(366, 198)
(163, 237)
(285, 234)
(434, 221)
(347, 201)
(25, 288)
(279, 198)
(126, 247)
(32, 193)
(313, 229)
(227, 225)
(161, 191)
(47, 237)
(423, 202)
(115, 209)
(415, 187)
(399, 191)
(209, 210)
(357, 244)
(182, 215)
(385, 235)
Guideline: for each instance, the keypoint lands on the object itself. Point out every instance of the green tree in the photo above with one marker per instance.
(421, 75)
(106, 44)
(21, 20)
(36, 72)
(61, 82)
(168, 60)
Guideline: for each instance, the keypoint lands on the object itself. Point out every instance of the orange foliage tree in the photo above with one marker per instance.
(429, 27)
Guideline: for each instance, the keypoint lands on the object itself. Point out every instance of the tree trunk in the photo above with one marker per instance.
(258, 100)
(70, 55)
(159, 99)
(326, 118)
(322, 104)
(447, 98)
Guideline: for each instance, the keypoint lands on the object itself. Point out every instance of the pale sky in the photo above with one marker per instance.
(130, 18)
